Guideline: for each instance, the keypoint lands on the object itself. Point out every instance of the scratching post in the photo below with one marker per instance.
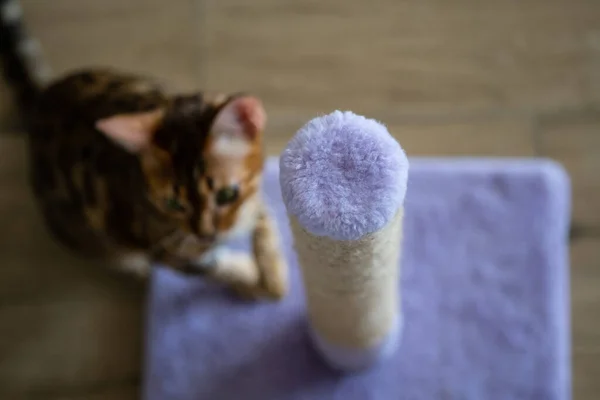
(343, 180)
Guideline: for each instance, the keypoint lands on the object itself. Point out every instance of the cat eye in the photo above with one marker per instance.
(174, 205)
(227, 195)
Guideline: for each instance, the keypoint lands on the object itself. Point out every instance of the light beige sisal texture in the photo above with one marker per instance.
(351, 286)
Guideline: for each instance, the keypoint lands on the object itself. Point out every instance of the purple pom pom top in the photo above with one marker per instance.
(343, 176)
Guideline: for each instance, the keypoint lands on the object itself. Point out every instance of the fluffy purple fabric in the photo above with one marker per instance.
(484, 296)
(343, 176)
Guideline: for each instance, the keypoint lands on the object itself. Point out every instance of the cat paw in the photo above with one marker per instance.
(271, 289)
(274, 278)
(263, 277)
(270, 285)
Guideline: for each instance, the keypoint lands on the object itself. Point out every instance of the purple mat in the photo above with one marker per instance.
(484, 291)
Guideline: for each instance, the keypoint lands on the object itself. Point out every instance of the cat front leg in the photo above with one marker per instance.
(270, 261)
(264, 274)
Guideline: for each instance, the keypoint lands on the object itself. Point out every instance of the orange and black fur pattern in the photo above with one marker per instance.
(127, 172)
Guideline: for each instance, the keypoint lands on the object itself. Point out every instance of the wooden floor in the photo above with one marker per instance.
(449, 77)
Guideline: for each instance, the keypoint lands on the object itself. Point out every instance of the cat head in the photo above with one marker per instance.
(202, 160)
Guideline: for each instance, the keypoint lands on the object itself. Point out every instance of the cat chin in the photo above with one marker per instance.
(246, 219)
(237, 232)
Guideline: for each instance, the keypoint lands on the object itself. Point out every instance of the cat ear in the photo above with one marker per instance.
(243, 117)
(133, 132)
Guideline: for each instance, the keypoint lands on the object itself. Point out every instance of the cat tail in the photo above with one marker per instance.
(24, 68)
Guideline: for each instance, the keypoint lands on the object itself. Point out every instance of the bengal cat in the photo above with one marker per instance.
(125, 171)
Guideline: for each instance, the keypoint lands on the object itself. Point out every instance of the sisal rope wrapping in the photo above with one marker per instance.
(351, 286)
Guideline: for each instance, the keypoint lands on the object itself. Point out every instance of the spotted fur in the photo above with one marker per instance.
(125, 171)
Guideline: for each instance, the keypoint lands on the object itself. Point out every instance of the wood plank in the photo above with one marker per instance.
(574, 141)
(130, 392)
(585, 281)
(48, 347)
(63, 322)
(488, 138)
(150, 37)
(482, 137)
(586, 384)
(585, 297)
(108, 391)
(404, 57)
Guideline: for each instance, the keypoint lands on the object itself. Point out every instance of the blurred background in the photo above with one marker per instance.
(449, 77)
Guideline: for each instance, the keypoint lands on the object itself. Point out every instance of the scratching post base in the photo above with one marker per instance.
(485, 304)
